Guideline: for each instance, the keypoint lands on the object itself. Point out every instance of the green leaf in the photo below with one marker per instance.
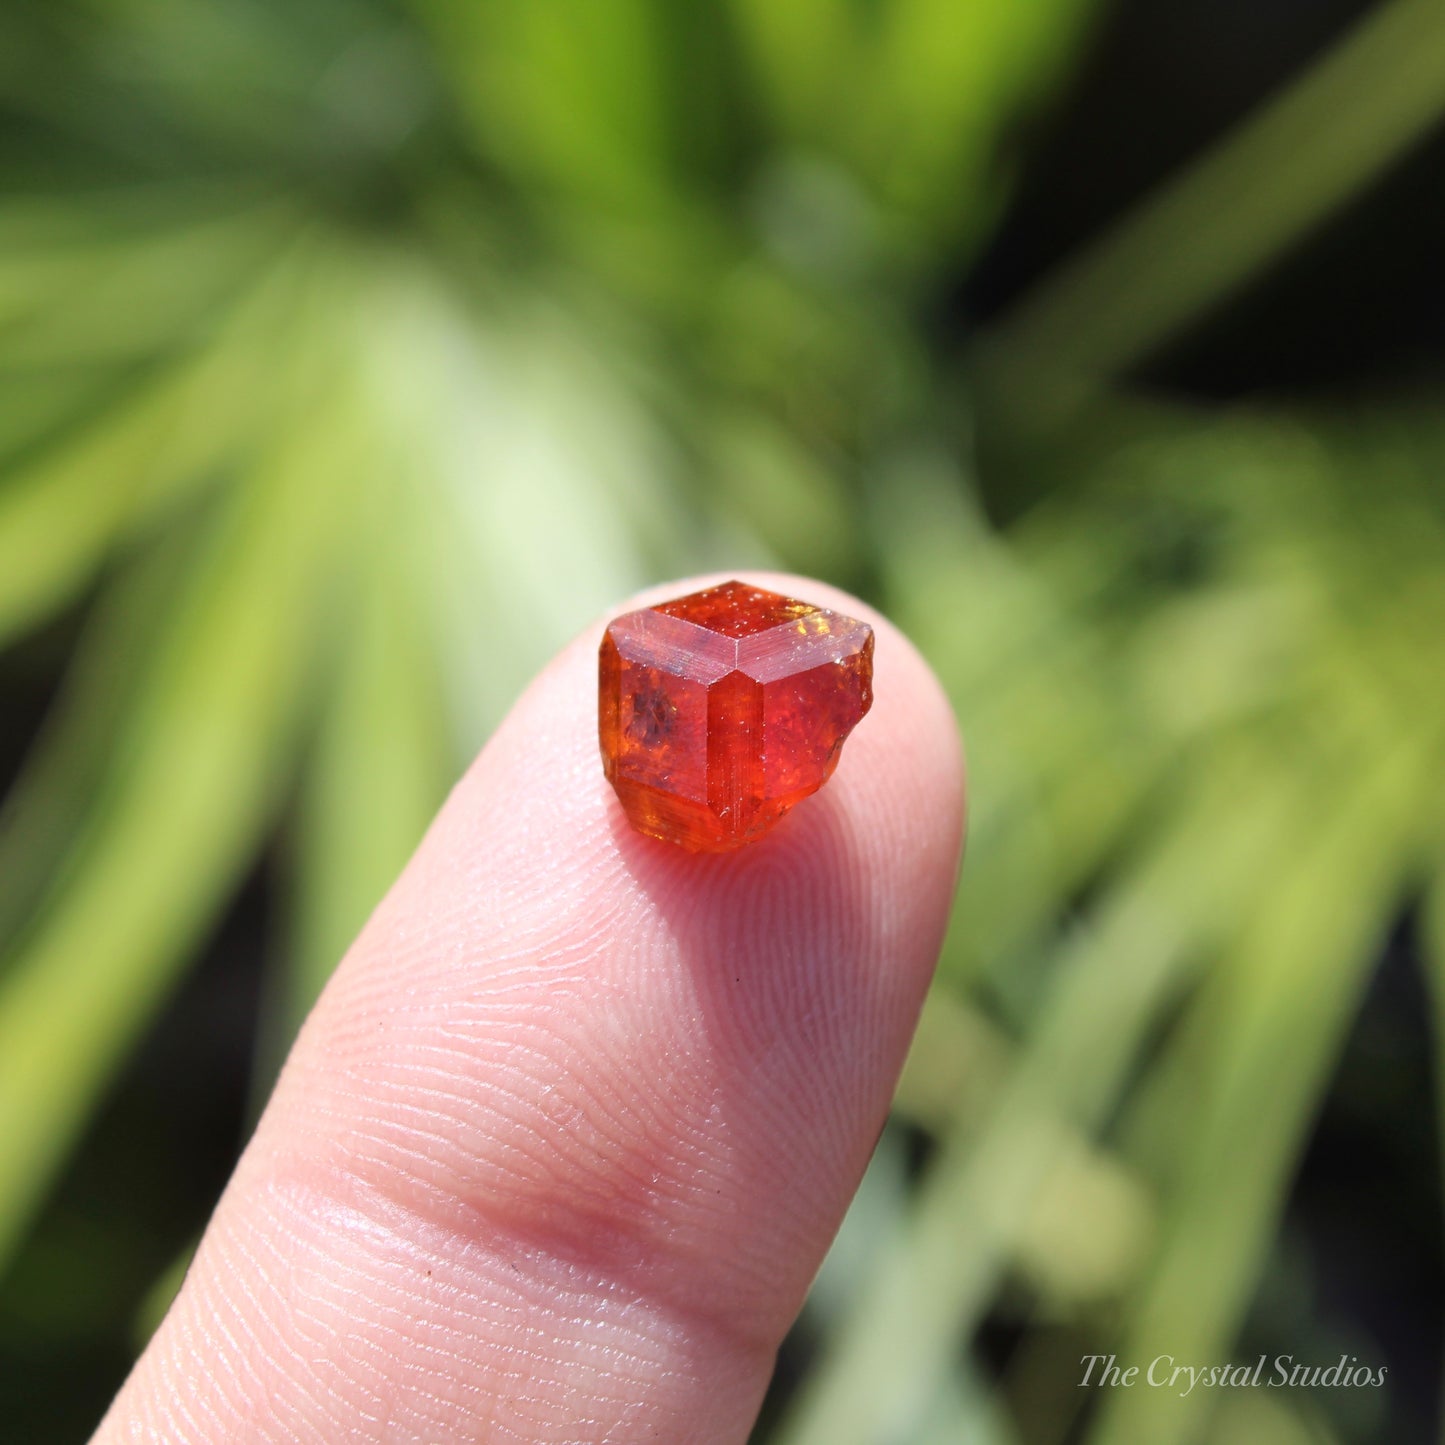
(192, 783)
(883, 1367)
(913, 96)
(1432, 940)
(379, 766)
(539, 481)
(1058, 756)
(947, 76)
(1220, 223)
(47, 805)
(160, 1296)
(61, 513)
(64, 505)
(72, 299)
(567, 93)
(1084, 1233)
(1278, 1007)
(808, 59)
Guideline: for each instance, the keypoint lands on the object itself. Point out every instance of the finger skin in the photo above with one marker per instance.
(563, 1143)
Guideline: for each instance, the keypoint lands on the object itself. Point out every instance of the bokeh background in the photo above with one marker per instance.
(354, 353)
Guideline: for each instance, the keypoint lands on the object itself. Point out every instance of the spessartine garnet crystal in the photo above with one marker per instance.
(718, 711)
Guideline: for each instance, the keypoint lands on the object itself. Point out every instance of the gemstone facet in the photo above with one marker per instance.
(718, 711)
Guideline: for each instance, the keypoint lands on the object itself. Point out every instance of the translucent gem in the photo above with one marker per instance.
(719, 711)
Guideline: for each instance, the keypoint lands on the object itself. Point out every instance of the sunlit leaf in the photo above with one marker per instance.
(63, 506)
(1219, 224)
(808, 57)
(193, 778)
(947, 76)
(379, 765)
(71, 301)
(42, 813)
(1112, 981)
(1283, 998)
(567, 91)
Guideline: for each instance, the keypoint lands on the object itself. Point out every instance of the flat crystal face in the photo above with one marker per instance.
(719, 711)
(736, 610)
(656, 736)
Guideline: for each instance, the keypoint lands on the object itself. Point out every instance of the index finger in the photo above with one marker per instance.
(561, 1147)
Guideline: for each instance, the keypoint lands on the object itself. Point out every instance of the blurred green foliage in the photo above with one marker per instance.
(356, 352)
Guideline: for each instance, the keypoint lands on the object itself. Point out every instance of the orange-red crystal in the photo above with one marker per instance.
(719, 711)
